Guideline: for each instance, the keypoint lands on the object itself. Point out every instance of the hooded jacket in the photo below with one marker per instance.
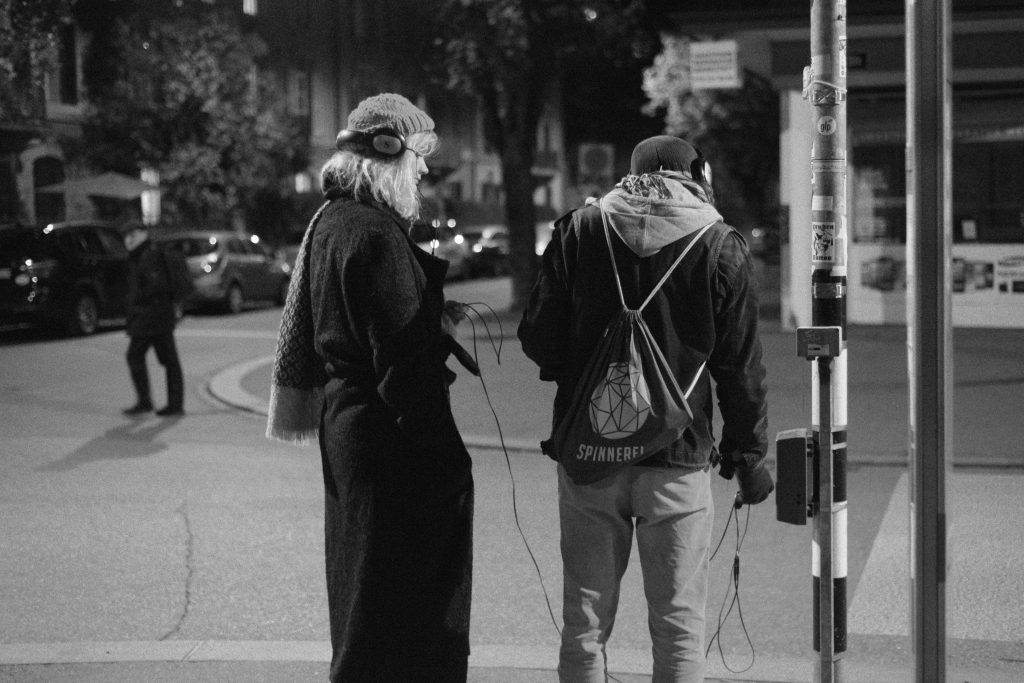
(707, 310)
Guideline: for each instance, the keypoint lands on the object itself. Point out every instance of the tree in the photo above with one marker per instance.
(511, 55)
(738, 130)
(177, 89)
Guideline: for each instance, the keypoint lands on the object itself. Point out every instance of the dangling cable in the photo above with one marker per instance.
(734, 587)
(508, 461)
(487, 329)
(501, 438)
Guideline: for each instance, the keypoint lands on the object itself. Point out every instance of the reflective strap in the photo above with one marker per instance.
(643, 326)
(611, 252)
(674, 264)
(664, 278)
(693, 384)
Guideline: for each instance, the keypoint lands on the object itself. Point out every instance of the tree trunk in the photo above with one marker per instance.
(517, 176)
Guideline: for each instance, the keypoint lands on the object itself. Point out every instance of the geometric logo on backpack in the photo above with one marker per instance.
(621, 403)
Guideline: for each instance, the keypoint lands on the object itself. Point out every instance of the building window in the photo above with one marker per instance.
(298, 92)
(249, 7)
(67, 65)
(490, 193)
(49, 205)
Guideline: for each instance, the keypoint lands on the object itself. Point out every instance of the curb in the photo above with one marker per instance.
(488, 657)
(226, 388)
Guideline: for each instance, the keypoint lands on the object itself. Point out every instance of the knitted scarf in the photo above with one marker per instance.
(297, 386)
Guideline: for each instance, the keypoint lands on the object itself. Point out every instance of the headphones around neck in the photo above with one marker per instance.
(385, 142)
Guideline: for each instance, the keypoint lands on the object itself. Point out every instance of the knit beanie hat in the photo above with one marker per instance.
(390, 110)
(662, 152)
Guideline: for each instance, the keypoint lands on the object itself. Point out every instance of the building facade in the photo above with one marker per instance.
(988, 155)
(326, 55)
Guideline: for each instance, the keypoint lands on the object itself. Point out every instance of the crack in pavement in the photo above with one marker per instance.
(182, 510)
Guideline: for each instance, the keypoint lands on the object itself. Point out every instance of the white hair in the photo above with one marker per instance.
(390, 181)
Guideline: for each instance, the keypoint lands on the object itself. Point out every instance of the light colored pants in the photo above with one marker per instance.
(673, 513)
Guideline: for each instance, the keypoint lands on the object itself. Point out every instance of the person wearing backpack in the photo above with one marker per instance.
(151, 318)
(654, 248)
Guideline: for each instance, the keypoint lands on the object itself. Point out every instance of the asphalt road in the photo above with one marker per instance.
(191, 549)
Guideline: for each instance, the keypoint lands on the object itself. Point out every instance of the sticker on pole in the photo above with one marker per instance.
(827, 125)
(823, 242)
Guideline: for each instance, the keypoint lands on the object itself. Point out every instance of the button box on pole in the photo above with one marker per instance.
(818, 342)
(794, 475)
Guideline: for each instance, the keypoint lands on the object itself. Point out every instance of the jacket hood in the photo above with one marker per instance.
(647, 222)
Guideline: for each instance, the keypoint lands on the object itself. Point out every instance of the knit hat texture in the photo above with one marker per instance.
(662, 152)
(389, 110)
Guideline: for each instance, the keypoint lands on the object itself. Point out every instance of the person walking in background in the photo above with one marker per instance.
(705, 311)
(151, 320)
(361, 363)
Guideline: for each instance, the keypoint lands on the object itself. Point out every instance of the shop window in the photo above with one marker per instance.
(988, 192)
(879, 194)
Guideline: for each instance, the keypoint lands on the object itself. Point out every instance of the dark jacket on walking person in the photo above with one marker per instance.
(150, 309)
(706, 311)
(151, 318)
(361, 363)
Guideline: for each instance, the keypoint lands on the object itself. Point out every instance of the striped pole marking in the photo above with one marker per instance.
(825, 88)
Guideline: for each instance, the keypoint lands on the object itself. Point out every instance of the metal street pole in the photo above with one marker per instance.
(929, 336)
(825, 87)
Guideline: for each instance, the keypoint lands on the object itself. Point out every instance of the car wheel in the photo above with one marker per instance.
(85, 315)
(234, 301)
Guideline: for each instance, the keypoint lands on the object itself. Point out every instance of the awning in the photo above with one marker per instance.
(110, 184)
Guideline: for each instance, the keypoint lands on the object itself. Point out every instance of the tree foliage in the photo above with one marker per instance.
(27, 40)
(738, 130)
(179, 91)
(512, 55)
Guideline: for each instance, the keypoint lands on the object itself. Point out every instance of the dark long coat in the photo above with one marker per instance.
(150, 304)
(399, 490)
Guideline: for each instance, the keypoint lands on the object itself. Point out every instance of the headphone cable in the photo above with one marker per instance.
(734, 587)
(501, 437)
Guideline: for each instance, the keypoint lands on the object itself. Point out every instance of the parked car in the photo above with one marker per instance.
(442, 241)
(488, 250)
(72, 275)
(229, 268)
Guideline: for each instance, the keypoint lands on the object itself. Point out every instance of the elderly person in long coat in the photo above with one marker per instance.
(361, 363)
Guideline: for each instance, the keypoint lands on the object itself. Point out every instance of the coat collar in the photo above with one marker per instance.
(434, 268)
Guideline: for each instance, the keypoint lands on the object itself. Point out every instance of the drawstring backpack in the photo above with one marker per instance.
(627, 405)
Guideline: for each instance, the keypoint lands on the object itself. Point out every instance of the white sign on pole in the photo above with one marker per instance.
(714, 65)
